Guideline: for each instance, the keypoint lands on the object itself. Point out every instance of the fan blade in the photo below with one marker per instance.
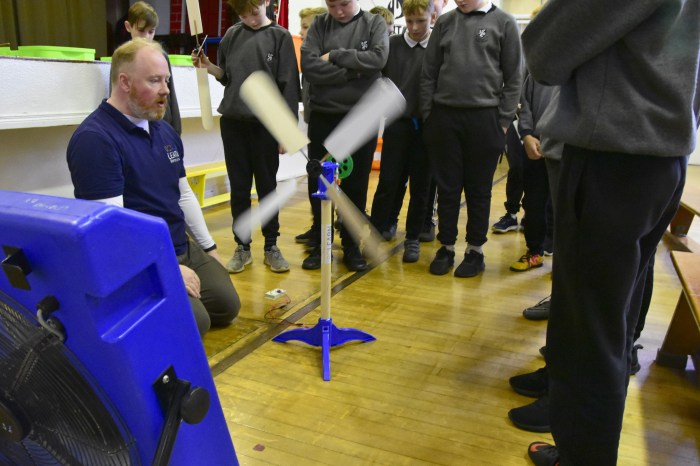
(356, 223)
(194, 17)
(267, 208)
(205, 99)
(263, 98)
(383, 99)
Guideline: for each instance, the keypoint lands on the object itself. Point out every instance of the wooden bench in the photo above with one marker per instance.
(683, 335)
(199, 174)
(680, 225)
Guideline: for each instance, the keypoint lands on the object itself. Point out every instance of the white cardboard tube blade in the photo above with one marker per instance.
(382, 99)
(267, 208)
(357, 224)
(204, 99)
(195, 17)
(263, 98)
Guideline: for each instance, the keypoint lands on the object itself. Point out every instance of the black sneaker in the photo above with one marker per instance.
(444, 260)
(635, 367)
(411, 250)
(353, 260)
(427, 234)
(304, 237)
(505, 224)
(543, 454)
(313, 261)
(543, 351)
(471, 266)
(539, 311)
(390, 233)
(534, 384)
(533, 417)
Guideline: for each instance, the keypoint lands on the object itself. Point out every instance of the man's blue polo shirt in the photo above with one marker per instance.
(109, 156)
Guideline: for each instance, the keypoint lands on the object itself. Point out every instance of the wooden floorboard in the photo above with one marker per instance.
(433, 388)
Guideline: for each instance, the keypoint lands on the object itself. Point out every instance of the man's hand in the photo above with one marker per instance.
(532, 147)
(191, 281)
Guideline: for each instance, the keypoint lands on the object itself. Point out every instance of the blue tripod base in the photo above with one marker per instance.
(325, 335)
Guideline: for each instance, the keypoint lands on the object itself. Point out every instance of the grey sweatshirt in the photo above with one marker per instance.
(473, 61)
(404, 68)
(628, 73)
(534, 100)
(243, 51)
(358, 52)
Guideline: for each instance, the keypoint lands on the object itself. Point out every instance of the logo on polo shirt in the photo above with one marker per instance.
(481, 35)
(364, 44)
(173, 154)
(270, 56)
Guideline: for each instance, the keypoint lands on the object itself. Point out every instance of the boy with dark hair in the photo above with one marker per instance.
(478, 45)
(253, 44)
(142, 21)
(343, 54)
(403, 149)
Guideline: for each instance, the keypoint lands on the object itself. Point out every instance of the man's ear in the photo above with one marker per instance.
(123, 82)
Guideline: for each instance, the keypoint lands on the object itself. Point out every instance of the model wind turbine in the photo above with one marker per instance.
(383, 100)
(195, 20)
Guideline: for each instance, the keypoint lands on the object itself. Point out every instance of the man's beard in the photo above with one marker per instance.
(140, 109)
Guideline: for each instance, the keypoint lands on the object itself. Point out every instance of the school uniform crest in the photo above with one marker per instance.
(270, 56)
(481, 35)
(173, 154)
(364, 44)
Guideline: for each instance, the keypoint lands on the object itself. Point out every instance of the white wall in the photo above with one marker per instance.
(43, 101)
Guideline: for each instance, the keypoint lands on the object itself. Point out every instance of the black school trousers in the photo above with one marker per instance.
(250, 152)
(464, 146)
(403, 152)
(611, 212)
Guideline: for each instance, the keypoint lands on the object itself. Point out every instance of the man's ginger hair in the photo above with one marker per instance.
(126, 54)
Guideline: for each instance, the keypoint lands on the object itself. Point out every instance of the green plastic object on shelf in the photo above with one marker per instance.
(180, 60)
(56, 52)
(6, 51)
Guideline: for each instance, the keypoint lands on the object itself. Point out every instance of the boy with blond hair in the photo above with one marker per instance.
(253, 44)
(404, 154)
(387, 15)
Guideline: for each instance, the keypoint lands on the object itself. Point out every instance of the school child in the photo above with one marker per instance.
(469, 94)
(344, 53)
(388, 17)
(403, 149)
(253, 44)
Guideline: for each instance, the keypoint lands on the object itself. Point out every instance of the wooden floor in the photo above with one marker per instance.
(433, 388)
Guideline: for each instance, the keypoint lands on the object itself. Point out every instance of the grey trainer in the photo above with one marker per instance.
(240, 259)
(274, 259)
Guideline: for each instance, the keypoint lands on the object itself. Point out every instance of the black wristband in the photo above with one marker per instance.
(211, 248)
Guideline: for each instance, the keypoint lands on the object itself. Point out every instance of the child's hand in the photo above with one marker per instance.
(326, 56)
(281, 149)
(200, 60)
